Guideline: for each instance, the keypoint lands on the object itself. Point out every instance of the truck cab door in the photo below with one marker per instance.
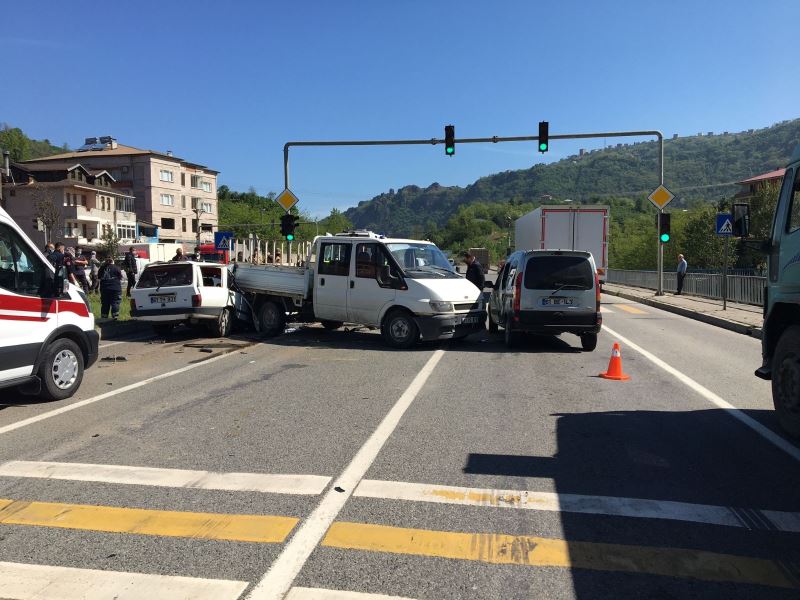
(332, 280)
(369, 291)
(784, 260)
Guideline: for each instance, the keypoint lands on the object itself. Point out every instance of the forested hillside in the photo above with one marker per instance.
(695, 168)
(21, 147)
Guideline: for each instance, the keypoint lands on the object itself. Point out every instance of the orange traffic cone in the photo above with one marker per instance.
(615, 366)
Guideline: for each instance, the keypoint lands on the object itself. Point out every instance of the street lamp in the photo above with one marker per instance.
(198, 211)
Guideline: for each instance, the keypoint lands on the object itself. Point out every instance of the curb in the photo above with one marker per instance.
(685, 312)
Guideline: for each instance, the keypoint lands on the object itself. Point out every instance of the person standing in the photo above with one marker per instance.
(56, 257)
(110, 289)
(179, 256)
(79, 268)
(69, 265)
(48, 250)
(94, 266)
(682, 266)
(474, 271)
(131, 269)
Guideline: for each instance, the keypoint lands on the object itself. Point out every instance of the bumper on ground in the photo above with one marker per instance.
(443, 327)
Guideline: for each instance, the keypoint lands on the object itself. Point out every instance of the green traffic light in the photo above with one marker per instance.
(542, 147)
(664, 238)
(450, 150)
(289, 237)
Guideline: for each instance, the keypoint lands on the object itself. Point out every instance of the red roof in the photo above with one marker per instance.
(777, 174)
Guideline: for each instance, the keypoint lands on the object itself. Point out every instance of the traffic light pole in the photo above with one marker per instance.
(660, 255)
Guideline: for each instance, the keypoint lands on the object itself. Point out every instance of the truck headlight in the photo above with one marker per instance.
(441, 306)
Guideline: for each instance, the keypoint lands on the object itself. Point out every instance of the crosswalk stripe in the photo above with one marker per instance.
(605, 309)
(631, 309)
(43, 582)
(548, 552)
(304, 593)
(577, 503)
(112, 519)
(179, 478)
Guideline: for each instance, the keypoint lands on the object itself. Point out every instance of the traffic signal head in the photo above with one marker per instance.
(544, 136)
(664, 227)
(741, 220)
(288, 225)
(449, 140)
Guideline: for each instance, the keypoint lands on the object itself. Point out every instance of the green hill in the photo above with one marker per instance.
(22, 147)
(695, 168)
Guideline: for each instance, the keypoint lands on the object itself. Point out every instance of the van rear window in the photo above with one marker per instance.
(552, 272)
(165, 276)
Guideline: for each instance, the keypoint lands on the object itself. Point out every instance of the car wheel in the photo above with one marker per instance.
(222, 326)
(163, 328)
(786, 380)
(272, 319)
(61, 371)
(492, 325)
(331, 325)
(588, 341)
(400, 330)
(511, 336)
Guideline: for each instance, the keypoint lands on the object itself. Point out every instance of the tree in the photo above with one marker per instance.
(702, 248)
(46, 210)
(335, 222)
(109, 243)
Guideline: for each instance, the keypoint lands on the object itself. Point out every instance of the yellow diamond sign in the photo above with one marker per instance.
(287, 199)
(660, 197)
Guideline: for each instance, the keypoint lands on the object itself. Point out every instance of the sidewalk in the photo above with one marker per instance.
(741, 318)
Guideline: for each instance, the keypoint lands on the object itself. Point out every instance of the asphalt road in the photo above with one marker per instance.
(322, 461)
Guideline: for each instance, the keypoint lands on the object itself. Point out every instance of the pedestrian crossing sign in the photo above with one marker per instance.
(724, 224)
(223, 240)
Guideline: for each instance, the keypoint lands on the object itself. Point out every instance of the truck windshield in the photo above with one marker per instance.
(421, 260)
(165, 276)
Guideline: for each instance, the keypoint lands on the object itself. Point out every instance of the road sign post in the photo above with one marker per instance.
(660, 197)
(724, 228)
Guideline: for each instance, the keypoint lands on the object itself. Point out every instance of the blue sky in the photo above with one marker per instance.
(226, 84)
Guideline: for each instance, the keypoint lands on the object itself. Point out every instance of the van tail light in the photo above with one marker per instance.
(517, 295)
(597, 297)
(197, 300)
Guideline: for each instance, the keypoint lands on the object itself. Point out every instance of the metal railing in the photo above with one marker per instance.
(745, 289)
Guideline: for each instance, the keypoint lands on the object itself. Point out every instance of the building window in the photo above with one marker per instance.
(183, 201)
(195, 203)
(168, 223)
(194, 225)
(83, 201)
(126, 204)
(206, 186)
(196, 180)
(167, 200)
(207, 207)
(166, 175)
(183, 179)
(125, 170)
(183, 224)
(126, 232)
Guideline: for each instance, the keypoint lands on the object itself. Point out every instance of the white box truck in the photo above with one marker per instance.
(583, 227)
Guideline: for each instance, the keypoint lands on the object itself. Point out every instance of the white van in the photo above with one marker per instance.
(47, 334)
(547, 291)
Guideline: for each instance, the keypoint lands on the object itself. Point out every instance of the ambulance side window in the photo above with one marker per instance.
(22, 270)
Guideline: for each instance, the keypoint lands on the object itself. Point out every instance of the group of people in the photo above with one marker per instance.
(103, 277)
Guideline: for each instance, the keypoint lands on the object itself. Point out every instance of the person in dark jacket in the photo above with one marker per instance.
(110, 289)
(131, 270)
(179, 256)
(56, 257)
(474, 271)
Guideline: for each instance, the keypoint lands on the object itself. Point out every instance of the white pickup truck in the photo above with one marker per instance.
(407, 288)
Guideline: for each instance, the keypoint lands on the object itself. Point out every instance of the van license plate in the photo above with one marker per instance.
(558, 301)
(470, 320)
(161, 299)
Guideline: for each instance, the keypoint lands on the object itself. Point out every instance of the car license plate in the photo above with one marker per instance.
(558, 301)
(470, 320)
(161, 299)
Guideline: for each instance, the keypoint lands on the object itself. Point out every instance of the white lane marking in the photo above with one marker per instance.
(41, 582)
(122, 390)
(303, 593)
(736, 413)
(575, 503)
(277, 581)
(174, 478)
(605, 309)
(129, 340)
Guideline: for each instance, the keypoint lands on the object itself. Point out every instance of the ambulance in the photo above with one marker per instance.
(47, 334)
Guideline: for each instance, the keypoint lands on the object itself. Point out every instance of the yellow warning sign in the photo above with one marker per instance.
(660, 197)
(287, 199)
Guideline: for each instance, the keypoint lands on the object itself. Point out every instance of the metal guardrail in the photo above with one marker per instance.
(745, 289)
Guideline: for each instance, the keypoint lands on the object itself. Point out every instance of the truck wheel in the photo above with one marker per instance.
(222, 326)
(331, 325)
(163, 328)
(588, 341)
(786, 380)
(400, 330)
(61, 371)
(511, 336)
(272, 319)
(492, 325)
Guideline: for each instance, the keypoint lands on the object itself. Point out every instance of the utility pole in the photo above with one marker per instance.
(198, 211)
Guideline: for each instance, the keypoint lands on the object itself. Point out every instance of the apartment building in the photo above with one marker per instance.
(177, 196)
(81, 202)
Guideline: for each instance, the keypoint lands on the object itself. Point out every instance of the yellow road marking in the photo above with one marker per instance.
(546, 552)
(631, 309)
(112, 519)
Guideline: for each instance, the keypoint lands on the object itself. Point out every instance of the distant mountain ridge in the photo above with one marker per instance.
(697, 167)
